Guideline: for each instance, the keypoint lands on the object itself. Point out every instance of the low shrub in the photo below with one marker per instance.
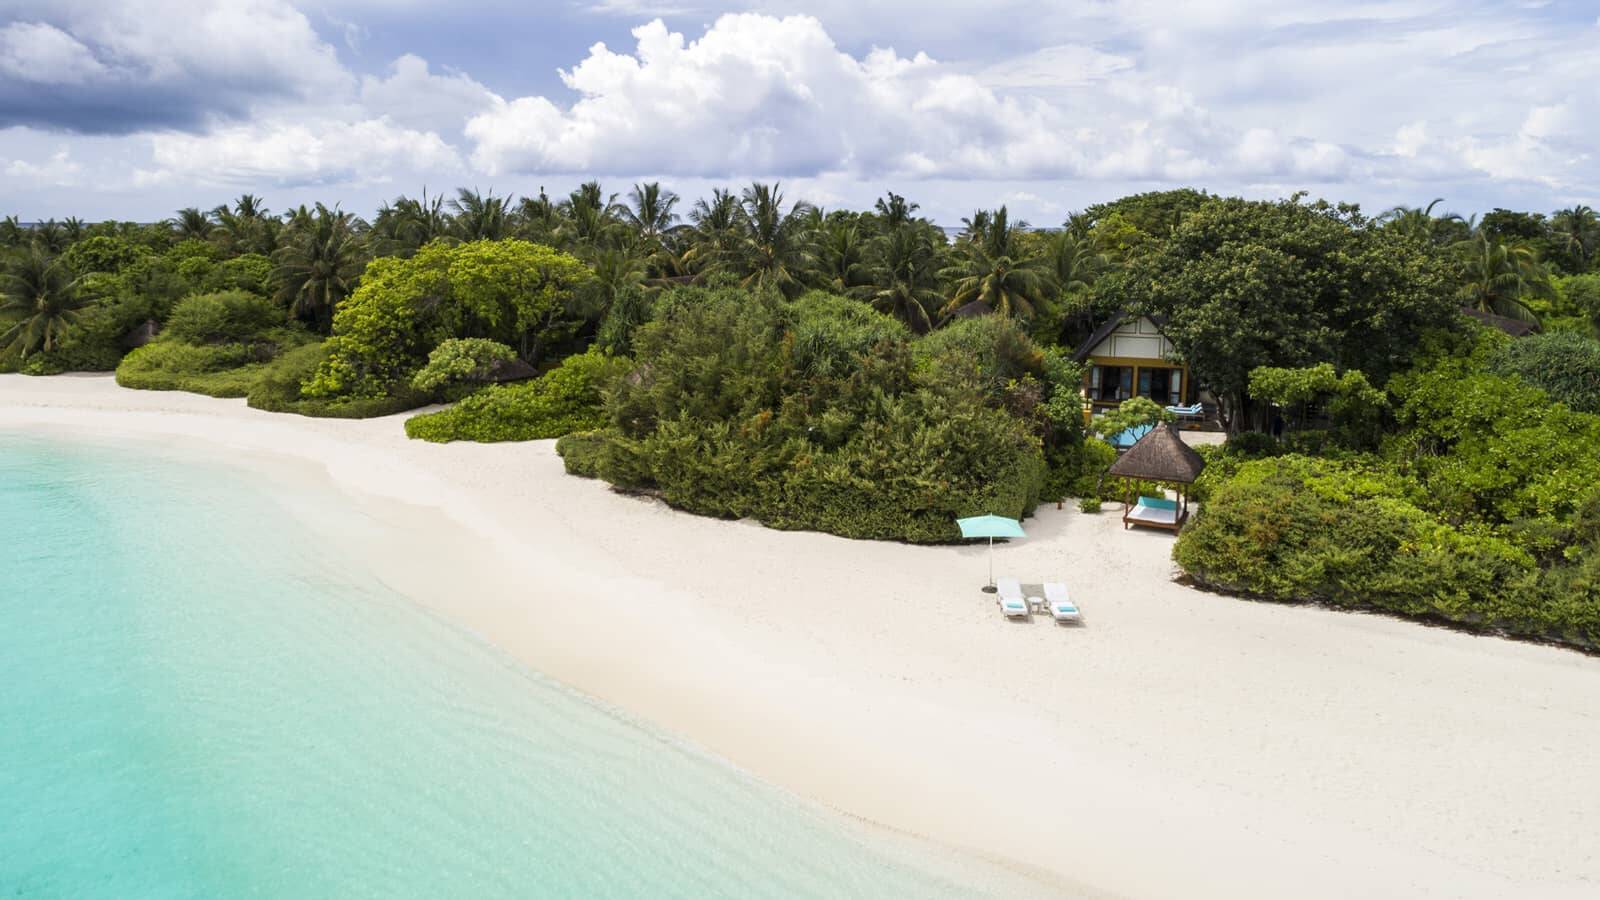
(1566, 365)
(223, 317)
(1089, 505)
(581, 452)
(226, 370)
(278, 389)
(1299, 529)
(460, 360)
(566, 399)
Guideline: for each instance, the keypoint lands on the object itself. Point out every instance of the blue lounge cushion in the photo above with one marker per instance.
(1158, 503)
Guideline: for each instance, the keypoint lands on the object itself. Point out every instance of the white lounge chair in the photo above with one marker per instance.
(1061, 607)
(1012, 603)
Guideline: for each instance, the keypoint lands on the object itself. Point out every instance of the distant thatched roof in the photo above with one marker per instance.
(142, 335)
(1513, 327)
(1160, 455)
(502, 371)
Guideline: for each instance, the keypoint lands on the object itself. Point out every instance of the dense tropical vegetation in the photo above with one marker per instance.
(868, 374)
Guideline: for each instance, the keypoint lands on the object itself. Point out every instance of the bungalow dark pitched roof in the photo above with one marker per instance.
(1513, 327)
(502, 371)
(1105, 329)
(1161, 455)
(972, 310)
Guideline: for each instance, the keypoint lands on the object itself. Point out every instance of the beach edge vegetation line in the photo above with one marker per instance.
(863, 374)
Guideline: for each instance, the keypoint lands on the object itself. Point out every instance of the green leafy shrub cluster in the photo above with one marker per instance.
(513, 292)
(215, 344)
(277, 389)
(1565, 364)
(460, 360)
(822, 414)
(222, 318)
(1481, 509)
(564, 400)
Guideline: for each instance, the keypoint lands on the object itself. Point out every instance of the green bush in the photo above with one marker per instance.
(1566, 365)
(821, 414)
(460, 360)
(581, 452)
(1089, 505)
(225, 370)
(513, 292)
(250, 272)
(562, 401)
(278, 389)
(221, 318)
(1304, 530)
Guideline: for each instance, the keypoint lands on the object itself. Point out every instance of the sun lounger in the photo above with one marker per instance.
(1154, 512)
(1192, 411)
(1012, 603)
(1061, 607)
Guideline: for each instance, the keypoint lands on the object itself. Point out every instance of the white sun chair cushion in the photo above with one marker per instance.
(1012, 603)
(1060, 605)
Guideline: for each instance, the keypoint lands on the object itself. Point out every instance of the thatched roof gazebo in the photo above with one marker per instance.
(1160, 455)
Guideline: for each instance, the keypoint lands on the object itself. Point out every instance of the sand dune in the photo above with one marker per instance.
(1178, 744)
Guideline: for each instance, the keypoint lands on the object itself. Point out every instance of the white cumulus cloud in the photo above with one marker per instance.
(297, 153)
(776, 96)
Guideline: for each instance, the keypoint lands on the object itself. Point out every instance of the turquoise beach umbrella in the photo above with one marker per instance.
(990, 527)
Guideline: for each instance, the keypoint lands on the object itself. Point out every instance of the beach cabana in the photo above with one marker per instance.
(1161, 455)
(990, 527)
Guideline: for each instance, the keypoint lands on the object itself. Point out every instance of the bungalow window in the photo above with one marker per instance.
(1165, 386)
(1110, 383)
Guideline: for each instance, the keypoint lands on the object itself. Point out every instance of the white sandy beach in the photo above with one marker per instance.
(1179, 744)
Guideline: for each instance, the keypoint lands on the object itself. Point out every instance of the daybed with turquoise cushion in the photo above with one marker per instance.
(1155, 512)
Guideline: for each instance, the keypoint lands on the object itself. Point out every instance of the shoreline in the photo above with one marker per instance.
(1179, 744)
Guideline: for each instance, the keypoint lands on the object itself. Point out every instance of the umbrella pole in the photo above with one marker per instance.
(991, 588)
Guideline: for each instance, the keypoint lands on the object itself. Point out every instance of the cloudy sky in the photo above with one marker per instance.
(133, 108)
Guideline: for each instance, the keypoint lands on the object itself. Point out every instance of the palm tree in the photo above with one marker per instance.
(539, 219)
(905, 282)
(1497, 276)
(772, 250)
(1577, 231)
(991, 270)
(73, 228)
(840, 258)
(974, 227)
(12, 234)
(1073, 261)
(715, 231)
(893, 211)
(616, 271)
(318, 266)
(651, 214)
(405, 226)
(480, 217)
(49, 236)
(1419, 224)
(47, 298)
(190, 222)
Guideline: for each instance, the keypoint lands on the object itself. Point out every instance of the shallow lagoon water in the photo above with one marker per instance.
(202, 697)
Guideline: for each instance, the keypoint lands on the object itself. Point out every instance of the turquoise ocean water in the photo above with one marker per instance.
(199, 698)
